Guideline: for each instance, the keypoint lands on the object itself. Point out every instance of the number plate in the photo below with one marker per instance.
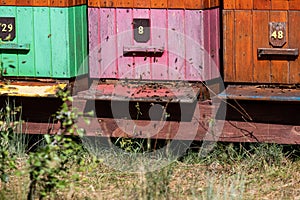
(7, 28)
(277, 33)
(141, 30)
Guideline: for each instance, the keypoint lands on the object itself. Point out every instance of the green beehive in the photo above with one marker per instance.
(43, 42)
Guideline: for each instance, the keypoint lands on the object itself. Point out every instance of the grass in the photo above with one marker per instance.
(230, 171)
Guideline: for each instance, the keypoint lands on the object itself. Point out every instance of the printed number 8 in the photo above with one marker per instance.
(280, 34)
(141, 30)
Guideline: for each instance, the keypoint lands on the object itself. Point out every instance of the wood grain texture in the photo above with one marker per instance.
(159, 3)
(229, 45)
(261, 4)
(261, 68)
(294, 68)
(242, 4)
(243, 46)
(294, 5)
(229, 4)
(280, 4)
(280, 68)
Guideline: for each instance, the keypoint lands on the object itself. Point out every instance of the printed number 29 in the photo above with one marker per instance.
(277, 35)
(6, 27)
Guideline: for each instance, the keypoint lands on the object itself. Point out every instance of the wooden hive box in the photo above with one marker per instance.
(261, 41)
(43, 39)
(154, 40)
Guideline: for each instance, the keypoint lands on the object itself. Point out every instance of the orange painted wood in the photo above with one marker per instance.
(229, 4)
(142, 3)
(159, 3)
(124, 3)
(294, 18)
(106, 3)
(279, 68)
(280, 4)
(294, 5)
(261, 68)
(243, 46)
(262, 4)
(192, 4)
(229, 44)
(242, 4)
(176, 3)
(214, 3)
(23, 2)
(41, 2)
(7, 2)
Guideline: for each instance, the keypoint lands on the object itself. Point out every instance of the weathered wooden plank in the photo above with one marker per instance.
(24, 2)
(229, 45)
(141, 4)
(159, 65)
(242, 4)
(243, 46)
(262, 4)
(280, 68)
(126, 65)
(108, 51)
(229, 4)
(94, 20)
(206, 44)
(214, 43)
(191, 4)
(261, 68)
(142, 64)
(294, 30)
(280, 4)
(176, 44)
(194, 33)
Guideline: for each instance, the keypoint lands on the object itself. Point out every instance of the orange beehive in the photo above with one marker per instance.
(261, 41)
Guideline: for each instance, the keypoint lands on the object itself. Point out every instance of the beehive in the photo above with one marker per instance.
(43, 38)
(261, 41)
(177, 40)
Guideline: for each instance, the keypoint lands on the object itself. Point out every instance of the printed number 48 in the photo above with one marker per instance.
(277, 35)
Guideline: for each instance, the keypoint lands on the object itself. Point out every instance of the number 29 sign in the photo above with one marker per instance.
(277, 33)
(7, 28)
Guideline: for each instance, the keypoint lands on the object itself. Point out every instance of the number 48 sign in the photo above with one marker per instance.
(277, 33)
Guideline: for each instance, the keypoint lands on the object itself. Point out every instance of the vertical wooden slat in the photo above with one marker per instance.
(229, 4)
(214, 43)
(279, 68)
(206, 44)
(59, 42)
(243, 46)
(175, 3)
(229, 45)
(42, 37)
(242, 4)
(176, 44)
(194, 45)
(159, 3)
(261, 40)
(94, 65)
(280, 4)
(141, 4)
(294, 72)
(126, 65)
(142, 64)
(108, 49)
(262, 4)
(159, 65)
(294, 5)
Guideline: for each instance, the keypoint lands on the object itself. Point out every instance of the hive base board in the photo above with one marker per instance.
(233, 131)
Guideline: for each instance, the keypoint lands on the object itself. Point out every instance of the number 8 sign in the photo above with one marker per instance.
(277, 34)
